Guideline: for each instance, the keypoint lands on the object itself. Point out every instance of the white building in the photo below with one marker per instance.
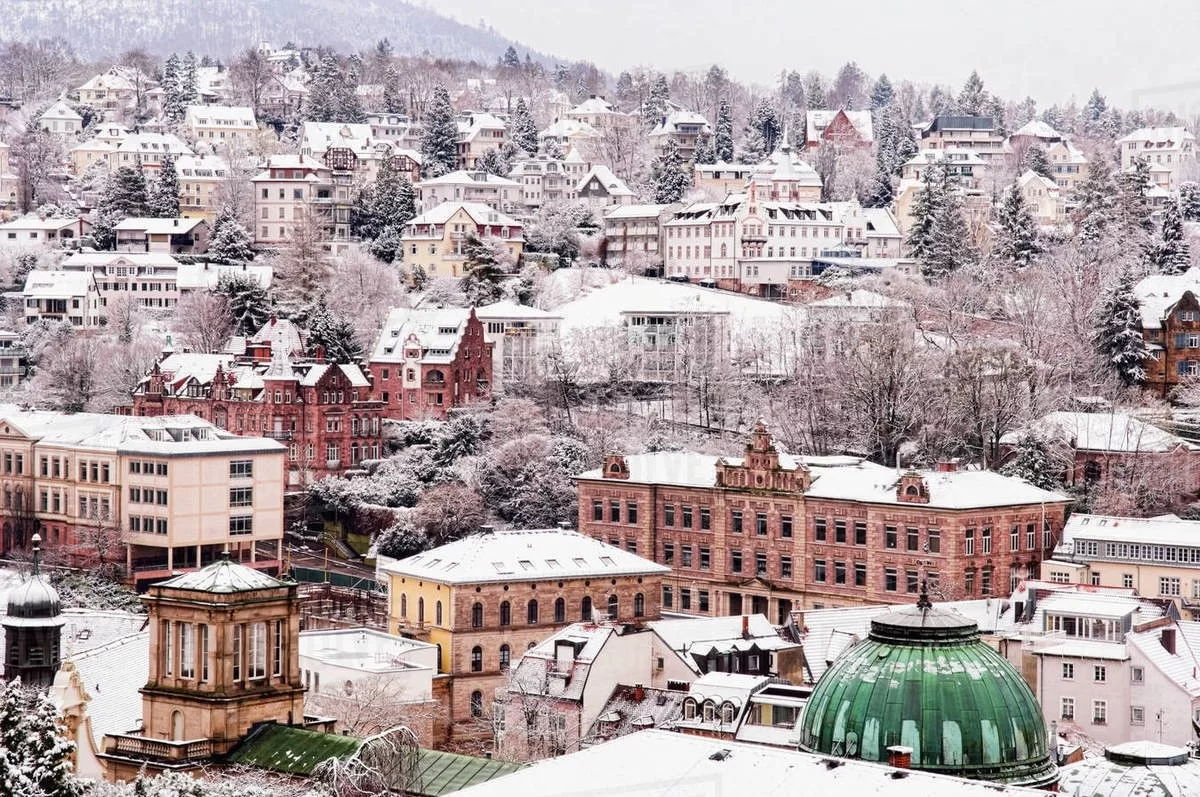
(365, 663)
(32, 230)
(62, 296)
(522, 338)
(219, 124)
(61, 119)
(498, 193)
(1171, 147)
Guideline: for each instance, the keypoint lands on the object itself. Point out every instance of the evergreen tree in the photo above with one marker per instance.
(163, 200)
(1116, 333)
(230, 241)
(1017, 242)
(816, 91)
(173, 104)
(723, 134)
(704, 151)
(522, 130)
(1170, 254)
(1189, 200)
(104, 226)
(762, 131)
(1035, 160)
(1035, 464)
(249, 303)
(670, 175)
(189, 86)
(972, 96)
(938, 238)
(349, 106)
(625, 92)
(336, 337)
(388, 245)
(882, 93)
(1094, 112)
(493, 163)
(302, 269)
(126, 194)
(881, 192)
(324, 90)
(439, 139)
(482, 273)
(393, 92)
(511, 60)
(1133, 208)
(1097, 199)
(36, 759)
(926, 204)
(655, 106)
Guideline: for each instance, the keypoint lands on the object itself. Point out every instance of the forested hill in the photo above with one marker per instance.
(99, 28)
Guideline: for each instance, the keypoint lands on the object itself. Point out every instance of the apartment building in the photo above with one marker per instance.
(8, 180)
(975, 133)
(522, 339)
(477, 186)
(176, 490)
(633, 236)
(434, 240)
(1170, 325)
(428, 361)
(62, 296)
(200, 178)
(686, 129)
(1171, 148)
(220, 124)
(544, 179)
(288, 189)
(769, 533)
(479, 133)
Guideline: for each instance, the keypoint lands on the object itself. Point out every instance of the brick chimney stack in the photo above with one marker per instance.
(900, 756)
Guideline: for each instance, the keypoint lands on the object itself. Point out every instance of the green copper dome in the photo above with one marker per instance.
(924, 680)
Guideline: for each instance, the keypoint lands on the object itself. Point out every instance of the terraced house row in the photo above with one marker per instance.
(769, 533)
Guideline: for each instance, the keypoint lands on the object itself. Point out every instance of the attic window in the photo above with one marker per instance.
(607, 561)
(553, 564)
(525, 564)
(580, 562)
(447, 330)
(501, 567)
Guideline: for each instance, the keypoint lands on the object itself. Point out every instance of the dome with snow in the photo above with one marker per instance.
(924, 680)
(1134, 769)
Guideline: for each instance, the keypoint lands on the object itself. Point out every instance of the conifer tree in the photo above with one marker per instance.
(1169, 253)
(349, 106)
(926, 204)
(483, 274)
(1017, 242)
(493, 162)
(104, 226)
(762, 131)
(938, 238)
(249, 303)
(163, 200)
(1189, 200)
(230, 241)
(1116, 330)
(670, 175)
(189, 85)
(522, 130)
(335, 336)
(393, 92)
(36, 759)
(655, 105)
(1035, 160)
(439, 139)
(972, 96)
(1035, 464)
(723, 133)
(126, 194)
(704, 152)
(173, 104)
(1133, 208)
(1097, 199)
(324, 90)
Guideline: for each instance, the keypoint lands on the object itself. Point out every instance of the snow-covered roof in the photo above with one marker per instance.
(613, 185)
(569, 128)
(593, 105)
(81, 261)
(816, 122)
(292, 161)
(222, 576)
(479, 213)
(41, 284)
(192, 166)
(964, 489)
(1086, 649)
(163, 143)
(94, 145)
(675, 119)
(1112, 528)
(32, 222)
(60, 110)
(1158, 294)
(1181, 667)
(367, 649)
(509, 310)
(680, 633)
(1066, 152)
(112, 676)
(635, 212)
(437, 331)
(1157, 137)
(662, 763)
(881, 222)
(205, 276)
(1036, 128)
(464, 177)
(529, 675)
(1107, 604)
(475, 123)
(152, 226)
(1103, 431)
(954, 155)
(1030, 176)
(234, 117)
(317, 137)
(857, 298)
(524, 555)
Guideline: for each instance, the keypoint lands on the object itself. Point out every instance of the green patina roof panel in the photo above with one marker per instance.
(442, 773)
(924, 679)
(283, 748)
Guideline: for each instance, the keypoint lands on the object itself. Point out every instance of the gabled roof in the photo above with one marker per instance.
(318, 137)
(1158, 137)
(34, 222)
(1036, 128)
(677, 118)
(566, 128)
(509, 310)
(232, 116)
(593, 105)
(60, 110)
(57, 284)
(480, 214)
(817, 121)
(1153, 531)
(155, 226)
(1159, 293)
(464, 177)
(531, 555)
(1030, 176)
(162, 143)
(1103, 431)
(112, 676)
(613, 185)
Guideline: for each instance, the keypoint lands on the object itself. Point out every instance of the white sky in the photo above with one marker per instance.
(1050, 49)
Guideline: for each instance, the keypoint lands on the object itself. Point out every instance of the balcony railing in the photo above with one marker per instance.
(134, 746)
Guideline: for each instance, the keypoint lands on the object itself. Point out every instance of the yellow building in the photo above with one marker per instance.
(199, 178)
(1157, 557)
(483, 600)
(160, 494)
(219, 124)
(434, 240)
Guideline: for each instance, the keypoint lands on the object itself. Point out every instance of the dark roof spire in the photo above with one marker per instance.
(37, 552)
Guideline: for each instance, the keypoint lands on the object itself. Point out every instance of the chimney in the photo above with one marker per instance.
(1168, 640)
(745, 626)
(639, 693)
(900, 756)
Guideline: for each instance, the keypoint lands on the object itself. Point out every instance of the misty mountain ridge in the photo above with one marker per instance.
(104, 28)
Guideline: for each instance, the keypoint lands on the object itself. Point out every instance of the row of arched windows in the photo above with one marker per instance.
(477, 658)
(437, 609)
(560, 610)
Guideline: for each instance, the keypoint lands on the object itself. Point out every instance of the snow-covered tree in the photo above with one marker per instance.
(1036, 463)
(493, 162)
(1116, 330)
(816, 91)
(230, 241)
(483, 271)
(654, 107)
(386, 206)
(522, 129)
(723, 133)
(528, 480)
(762, 132)
(1017, 241)
(249, 303)
(555, 229)
(393, 92)
(302, 268)
(364, 290)
(163, 194)
(704, 152)
(849, 88)
(35, 755)
(447, 512)
(1097, 199)
(670, 175)
(972, 96)
(400, 540)
(189, 86)
(882, 93)
(938, 238)
(334, 336)
(104, 226)
(173, 105)
(1169, 254)
(1035, 160)
(1133, 214)
(439, 138)
(126, 193)
(203, 321)
(1189, 200)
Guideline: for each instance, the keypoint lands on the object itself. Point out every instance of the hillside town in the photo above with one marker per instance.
(381, 423)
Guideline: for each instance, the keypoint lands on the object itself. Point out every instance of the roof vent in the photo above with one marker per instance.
(720, 755)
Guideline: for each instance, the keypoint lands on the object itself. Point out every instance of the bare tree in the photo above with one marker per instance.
(204, 321)
(98, 541)
(388, 763)
(249, 76)
(534, 725)
(375, 703)
(364, 290)
(447, 512)
(37, 154)
(883, 384)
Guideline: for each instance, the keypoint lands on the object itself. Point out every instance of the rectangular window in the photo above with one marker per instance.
(631, 512)
(889, 537)
(819, 529)
(839, 572)
(785, 526)
(277, 650)
(987, 539)
(760, 563)
(1068, 671)
(204, 643)
(1127, 581)
(705, 518)
(735, 518)
(889, 579)
(969, 582)
(1099, 712)
(685, 598)
(1068, 708)
(1137, 715)
(187, 650)
(685, 553)
(686, 513)
(1030, 537)
(985, 582)
(735, 561)
(839, 532)
(241, 496)
(760, 524)
(597, 510)
(860, 532)
(785, 566)
(860, 574)
(703, 600)
(705, 558)
(168, 647)
(241, 469)
(668, 597)
(257, 666)
(1099, 674)
(669, 515)
(819, 570)
(1168, 586)
(614, 511)
(241, 525)
(1137, 675)
(668, 553)
(1014, 538)
(912, 581)
(912, 539)
(969, 542)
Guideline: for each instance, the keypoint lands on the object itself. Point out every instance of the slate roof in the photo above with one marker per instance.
(112, 675)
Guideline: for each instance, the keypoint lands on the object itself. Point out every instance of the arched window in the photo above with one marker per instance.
(710, 710)
(477, 615)
(476, 659)
(533, 613)
(404, 604)
(505, 657)
(585, 609)
(613, 606)
(689, 708)
(437, 613)
(505, 613)
(727, 713)
(639, 605)
(420, 610)
(560, 611)
(177, 726)
(911, 490)
(477, 703)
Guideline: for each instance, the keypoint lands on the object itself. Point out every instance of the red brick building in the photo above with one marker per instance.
(429, 361)
(1170, 325)
(769, 533)
(323, 412)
